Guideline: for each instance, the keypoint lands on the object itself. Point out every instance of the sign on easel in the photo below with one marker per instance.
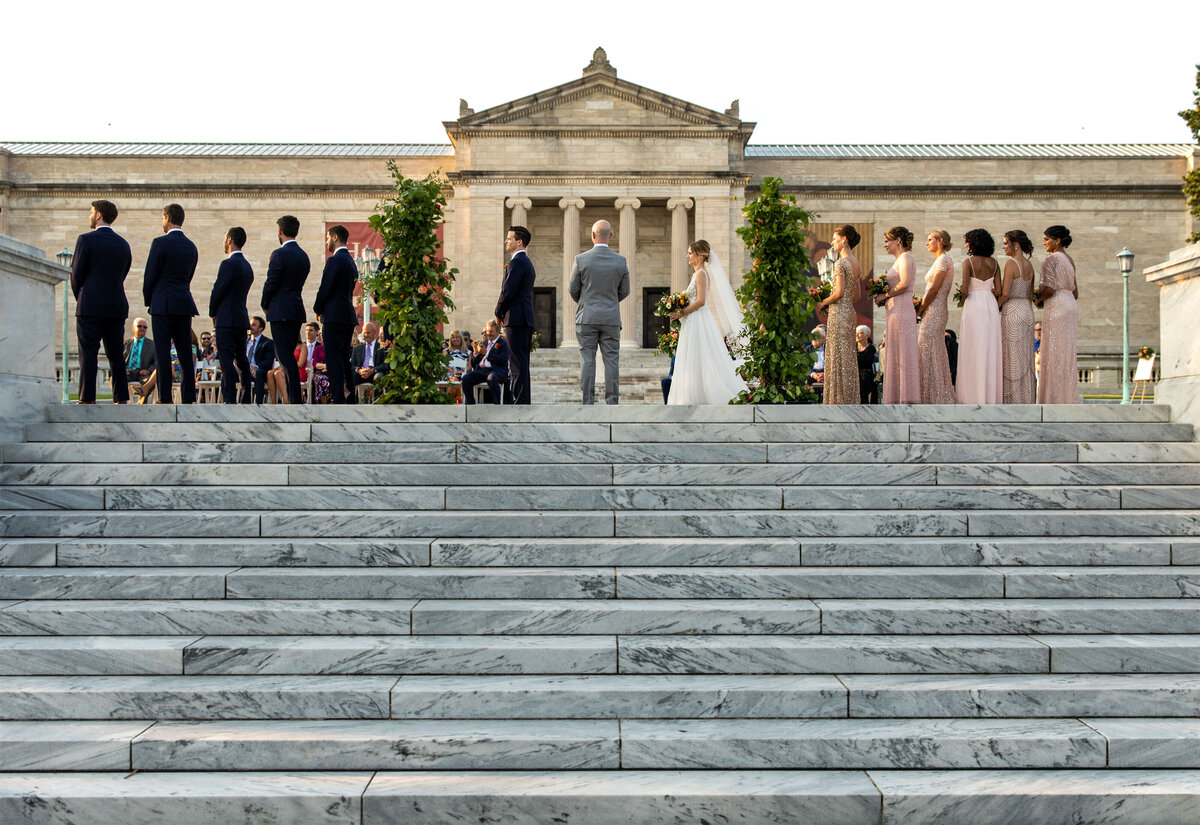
(1143, 376)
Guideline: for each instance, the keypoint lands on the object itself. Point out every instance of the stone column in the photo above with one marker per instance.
(628, 243)
(570, 208)
(678, 208)
(1179, 361)
(520, 211)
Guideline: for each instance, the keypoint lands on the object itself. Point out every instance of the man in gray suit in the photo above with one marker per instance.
(599, 282)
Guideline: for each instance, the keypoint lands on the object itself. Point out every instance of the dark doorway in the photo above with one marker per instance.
(653, 325)
(545, 315)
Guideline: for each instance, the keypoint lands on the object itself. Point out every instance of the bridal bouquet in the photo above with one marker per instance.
(960, 297)
(668, 341)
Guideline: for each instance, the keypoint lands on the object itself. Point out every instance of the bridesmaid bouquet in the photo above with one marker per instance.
(1036, 298)
(877, 287)
(917, 299)
(668, 341)
(960, 297)
(821, 291)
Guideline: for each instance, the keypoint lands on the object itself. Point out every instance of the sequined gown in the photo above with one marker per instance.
(1059, 383)
(1016, 324)
(980, 373)
(841, 351)
(936, 387)
(901, 371)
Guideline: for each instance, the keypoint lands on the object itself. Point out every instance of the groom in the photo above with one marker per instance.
(599, 282)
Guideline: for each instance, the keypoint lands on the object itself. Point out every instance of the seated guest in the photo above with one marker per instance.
(817, 345)
(369, 359)
(488, 363)
(260, 351)
(456, 348)
(310, 355)
(139, 355)
(867, 388)
(206, 364)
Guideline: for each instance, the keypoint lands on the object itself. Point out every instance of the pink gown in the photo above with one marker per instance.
(936, 387)
(1059, 380)
(1016, 323)
(980, 360)
(901, 370)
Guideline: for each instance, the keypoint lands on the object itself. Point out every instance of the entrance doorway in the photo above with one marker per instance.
(653, 325)
(545, 315)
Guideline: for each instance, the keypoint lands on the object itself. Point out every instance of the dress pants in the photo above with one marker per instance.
(91, 333)
(520, 342)
(608, 337)
(231, 352)
(337, 361)
(287, 336)
(494, 378)
(177, 329)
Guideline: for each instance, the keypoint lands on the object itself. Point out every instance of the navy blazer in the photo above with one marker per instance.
(498, 358)
(378, 357)
(335, 298)
(228, 302)
(515, 307)
(286, 274)
(170, 266)
(102, 260)
(263, 355)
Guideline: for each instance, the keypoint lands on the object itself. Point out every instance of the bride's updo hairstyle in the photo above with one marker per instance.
(1019, 239)
(901, 234)
(980, 242)
(849, 233)
(1059, 233)
(700, 248)
(943, 237)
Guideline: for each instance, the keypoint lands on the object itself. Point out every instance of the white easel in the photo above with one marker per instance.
(1142, 377)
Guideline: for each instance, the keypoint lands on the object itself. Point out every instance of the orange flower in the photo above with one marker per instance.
(422, 289)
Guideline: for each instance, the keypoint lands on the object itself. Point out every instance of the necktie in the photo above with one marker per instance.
(250, 350)
(135, 355)
(367, 355)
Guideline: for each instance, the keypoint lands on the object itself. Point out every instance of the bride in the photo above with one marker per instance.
(704, 370)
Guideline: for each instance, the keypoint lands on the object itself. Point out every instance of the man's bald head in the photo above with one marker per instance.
(601, 231)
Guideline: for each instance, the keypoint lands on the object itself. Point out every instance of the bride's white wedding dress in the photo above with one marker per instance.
(704, 370)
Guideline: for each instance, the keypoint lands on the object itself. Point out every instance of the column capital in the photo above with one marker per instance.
(633, 203)
(524, 203)
(677, 203)
(566, 203)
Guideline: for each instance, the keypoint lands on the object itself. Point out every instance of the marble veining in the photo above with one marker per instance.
(508, 433)
(1094, 523)
(793, 474)
(1038, 474)
(950, 498)
(421, 583)
(807, 583)
(91, 524)
(1068, 432)
(417, 474)
(921, 453)
(182, 474)
(194, 431)
(251, 552)
(1150, 743)
(1124, 653)
(386, 524)
(67, 746)
(687, 453)
(114, 583)
(644, 433)
(625, 552)
(275, 498)
(628, 497)
(793, 523)
(285, 453)
(1168, 582)
(28, 553)
(986, 551)
(31, 497)
(86, 655)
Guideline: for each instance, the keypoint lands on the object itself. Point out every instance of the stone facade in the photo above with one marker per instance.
(664, 171)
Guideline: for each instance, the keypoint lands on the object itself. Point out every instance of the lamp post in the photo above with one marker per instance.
(368, 265)
(1125, 258)
(64, 259)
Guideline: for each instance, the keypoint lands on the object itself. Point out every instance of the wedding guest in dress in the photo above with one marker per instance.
(901, 368)
(868, 392)
(936, 386)
(841, 355)
(1016, 319)
(980, 371)
(1059, 379)
(311, 358)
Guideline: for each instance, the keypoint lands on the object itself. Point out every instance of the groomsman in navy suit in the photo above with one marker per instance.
(335, 310)
(102, 260)
(227, 309)
(167, 288)
(286, 274)
(515, 310)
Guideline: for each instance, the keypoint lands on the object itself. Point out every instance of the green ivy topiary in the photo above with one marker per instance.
(412, 291)
(1191, 181)
(776, 300)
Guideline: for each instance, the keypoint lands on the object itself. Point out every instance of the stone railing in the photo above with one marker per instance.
(1179, 308)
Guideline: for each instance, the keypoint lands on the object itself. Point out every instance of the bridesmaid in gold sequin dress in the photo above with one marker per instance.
(936, 386)
(841, 351)
(1059, 382)
(1016, 319)
(901, 369)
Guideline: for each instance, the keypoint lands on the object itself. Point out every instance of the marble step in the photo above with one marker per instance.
(83, 655)
(808, 583)
(429, 583)
(1032, 551)
(1173, 582)
(67, 746)
(1150, 743)
(1024, 695)
(1149, 473)
(856, 743)
(117, 583)
(28, 698)
(251, 552)
(625, 552)
(28, 553)
(871, 432)
(1013, 615)
(1130, 653)
(377, 745)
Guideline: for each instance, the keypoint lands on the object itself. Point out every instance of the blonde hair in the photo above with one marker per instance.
(700, 248)
(943, 238)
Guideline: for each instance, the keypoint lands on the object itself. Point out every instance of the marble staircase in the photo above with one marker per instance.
(631, 614)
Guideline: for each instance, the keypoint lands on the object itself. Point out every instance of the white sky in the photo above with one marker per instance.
(366, 71)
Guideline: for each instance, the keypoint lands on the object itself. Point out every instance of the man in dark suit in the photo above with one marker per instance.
(286, 274)
(140, 361)
(102, 260)
(335, 310)
(260, 352)
(488, 363)
(515, 310)
(369, 359)
(227, 310)
(167, 289)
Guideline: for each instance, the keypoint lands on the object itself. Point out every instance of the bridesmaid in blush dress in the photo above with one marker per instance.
(1059, 380)
(1016, 319)
(936, 386)
(980, 370)
(901, 370)
(841, 351)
